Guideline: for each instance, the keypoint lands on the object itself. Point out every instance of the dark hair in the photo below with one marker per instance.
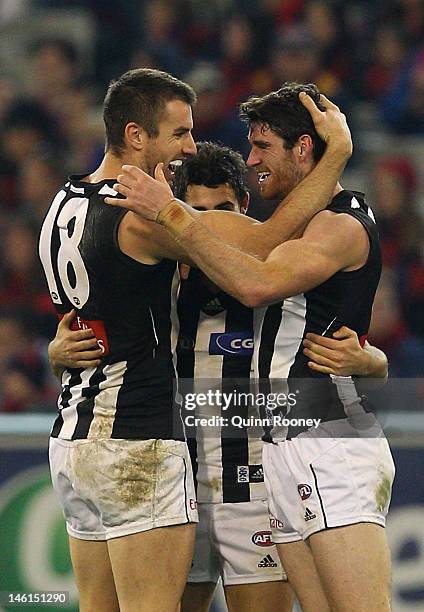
(140, 95)
(285, 114)
(213, 165)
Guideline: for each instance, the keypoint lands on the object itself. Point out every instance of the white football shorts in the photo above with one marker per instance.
(316, 483)
(111, 488)
(233, 540)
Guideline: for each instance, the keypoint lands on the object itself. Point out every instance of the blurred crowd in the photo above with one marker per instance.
(367, 56)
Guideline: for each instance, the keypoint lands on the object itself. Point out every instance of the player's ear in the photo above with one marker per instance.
(135, 136)
(245, 203)
(304, 147)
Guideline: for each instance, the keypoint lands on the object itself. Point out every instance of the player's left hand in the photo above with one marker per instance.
(73, 348)
(341, 355)
(143, 194)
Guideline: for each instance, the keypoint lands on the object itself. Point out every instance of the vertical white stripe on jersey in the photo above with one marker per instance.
(175, 324)
(209, 451)
(258, 321)
(205, 365)
(44, 248)
(65, 378)
(70, 414)
(105, 401)
(286, 346)
(154, 327)
(289, 337)
(175, 330)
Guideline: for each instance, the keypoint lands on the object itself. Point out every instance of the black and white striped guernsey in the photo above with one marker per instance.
(344, 299)
(127, 303)
(215, 341)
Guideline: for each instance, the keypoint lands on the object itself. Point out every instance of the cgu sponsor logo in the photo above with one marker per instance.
(232, 343)
(193, 504)
(262, 538)
(305, 491)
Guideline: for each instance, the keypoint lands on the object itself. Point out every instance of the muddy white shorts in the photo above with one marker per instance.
(233, 540)
(110, 488)
(317, 483)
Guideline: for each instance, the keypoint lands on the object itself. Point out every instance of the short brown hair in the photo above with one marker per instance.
(140, 95)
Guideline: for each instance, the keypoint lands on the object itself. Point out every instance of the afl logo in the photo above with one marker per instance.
(234, 343)
(262, 538)
(305, 491)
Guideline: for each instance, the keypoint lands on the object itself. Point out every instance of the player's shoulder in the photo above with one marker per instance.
(347, 199)
(329, 224)
(344, 213)
(77, 185)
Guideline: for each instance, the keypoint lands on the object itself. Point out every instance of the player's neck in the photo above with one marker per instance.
(109, 168)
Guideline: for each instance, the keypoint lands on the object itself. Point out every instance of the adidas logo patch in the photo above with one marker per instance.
(267, 561)
(309, 515)
(256, 475)
(212, 307)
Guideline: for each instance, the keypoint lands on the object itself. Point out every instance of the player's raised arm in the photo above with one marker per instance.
(292, 268)
(152, 198)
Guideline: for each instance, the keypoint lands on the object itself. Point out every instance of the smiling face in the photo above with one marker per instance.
(174, 140)
(222, 197)
(278, 168)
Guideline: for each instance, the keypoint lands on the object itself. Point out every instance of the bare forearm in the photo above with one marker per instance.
(55, 367)
(376, 365)
(235, 272)
(373, 373)
(293, 267)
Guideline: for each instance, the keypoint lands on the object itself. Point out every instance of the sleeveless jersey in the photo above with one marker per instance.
(127, 304)
(344, 299)
(215, 341)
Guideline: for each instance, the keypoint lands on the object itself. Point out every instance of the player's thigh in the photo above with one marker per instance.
(354, 567)
(150, 568)
(197, 596)
(205, 568)
(93, 575)
(264, 596)
(251, 571)
(297, 559)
